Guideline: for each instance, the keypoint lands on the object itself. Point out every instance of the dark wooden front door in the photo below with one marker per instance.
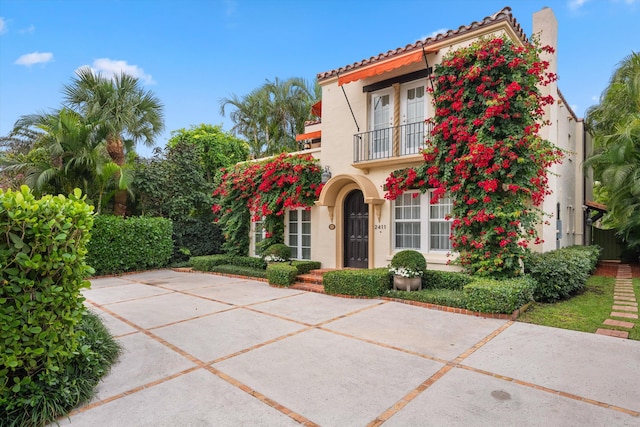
(356, 231)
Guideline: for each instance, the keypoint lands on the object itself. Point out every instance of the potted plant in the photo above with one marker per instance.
(407, 267)
(278, 252)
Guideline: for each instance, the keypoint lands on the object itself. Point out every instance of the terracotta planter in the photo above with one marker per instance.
(407, 283)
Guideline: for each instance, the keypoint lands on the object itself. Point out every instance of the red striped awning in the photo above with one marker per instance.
(309, 135)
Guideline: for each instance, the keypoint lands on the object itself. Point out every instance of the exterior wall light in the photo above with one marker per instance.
(326, 175)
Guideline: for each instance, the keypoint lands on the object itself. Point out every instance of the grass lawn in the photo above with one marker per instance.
(584, 312)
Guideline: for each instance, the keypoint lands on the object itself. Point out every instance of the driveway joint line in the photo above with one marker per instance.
(550, 390)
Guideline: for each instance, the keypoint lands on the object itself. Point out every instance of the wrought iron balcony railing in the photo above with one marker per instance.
(391, 142)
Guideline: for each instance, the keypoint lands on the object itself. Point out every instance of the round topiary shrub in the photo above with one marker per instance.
(409, 260)
(277, 253)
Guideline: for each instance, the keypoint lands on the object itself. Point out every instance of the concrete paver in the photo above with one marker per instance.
(330, 379)
(429, 332)
(464, 398)
(205, 350)
(589, 365)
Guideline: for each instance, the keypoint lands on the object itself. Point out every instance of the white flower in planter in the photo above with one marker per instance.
(405, 272)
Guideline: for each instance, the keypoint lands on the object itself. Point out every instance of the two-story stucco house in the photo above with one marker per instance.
(373, 122)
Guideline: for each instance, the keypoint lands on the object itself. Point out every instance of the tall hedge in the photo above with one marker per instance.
(127, 244)
(42, 262)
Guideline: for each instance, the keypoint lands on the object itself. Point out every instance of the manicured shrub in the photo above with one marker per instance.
(446, 297)
(44, 344)
(410, 260)
(366, 283)
(498, 296)
(240, 270)
(129, 244)
(248, 261)
(277, 253)
(561, 273)
(207, 262)
(434, 279)
(281, 274)
(305, 266)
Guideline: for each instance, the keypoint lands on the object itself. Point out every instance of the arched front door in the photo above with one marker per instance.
(356, 231)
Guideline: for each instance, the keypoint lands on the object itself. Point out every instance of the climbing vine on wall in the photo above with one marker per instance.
(263, 191)
(485, 152)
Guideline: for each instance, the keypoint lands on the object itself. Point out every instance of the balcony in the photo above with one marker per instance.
(393, 145)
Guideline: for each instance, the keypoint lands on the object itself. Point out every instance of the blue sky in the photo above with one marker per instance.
(192, 53)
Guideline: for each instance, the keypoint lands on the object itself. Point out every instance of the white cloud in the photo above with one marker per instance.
(34, 58)
(3, 25)
(30, 29)
(112, 67)
(231, 6)
(576, 4)
(435, 33)
(595, 98)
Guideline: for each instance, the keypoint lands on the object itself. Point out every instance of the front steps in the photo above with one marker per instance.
(311, 281)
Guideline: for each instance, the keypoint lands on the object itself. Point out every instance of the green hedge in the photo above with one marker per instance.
(305, 267)
(239, 270)
(42, 262)
(499, 296)
(366, 283)
(207, 262)
(561, 273)
(129, 244)
(281, 274)
(439, 296)
(248, 261)
(434, 279)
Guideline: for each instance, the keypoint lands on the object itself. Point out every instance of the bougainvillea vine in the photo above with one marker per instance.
(485, 152)
(263, 191)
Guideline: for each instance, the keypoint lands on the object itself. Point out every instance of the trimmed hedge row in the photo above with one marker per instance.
(281, 274)
(127, 244)
(239, 270)
(498, 296)
(438, 296)
(305, 267)
(367, 283)
(561, 273)
(445, 280)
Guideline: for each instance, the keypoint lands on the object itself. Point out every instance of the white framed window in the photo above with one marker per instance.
(413, 112)
(299, 233)
(420, 225)
(258, 235)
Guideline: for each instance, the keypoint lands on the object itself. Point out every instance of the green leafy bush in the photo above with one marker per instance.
(207, 262)
(128, 244)
(499, 296)
(305, 266)
(441, 296)
(195, 237)
(278, 253)
(434, 279)
(562, 272)
(281, 274)
(239, 270)
(44, 345)
(248, 261)
(408, 263)
(366, 283)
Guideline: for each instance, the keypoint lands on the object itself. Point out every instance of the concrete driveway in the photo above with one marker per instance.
(206, 350)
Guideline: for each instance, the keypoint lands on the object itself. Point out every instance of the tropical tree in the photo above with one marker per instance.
(125, 112)
(615, 126)
(66, 152)
(271, 116)
(215, 148)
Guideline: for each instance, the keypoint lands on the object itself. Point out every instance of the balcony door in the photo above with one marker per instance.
(413, 112)
(381, 124)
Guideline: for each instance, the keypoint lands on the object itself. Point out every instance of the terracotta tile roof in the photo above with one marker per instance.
(312, 122)
(502, 15)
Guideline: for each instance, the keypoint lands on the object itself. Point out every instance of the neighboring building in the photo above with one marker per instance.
(373, 122)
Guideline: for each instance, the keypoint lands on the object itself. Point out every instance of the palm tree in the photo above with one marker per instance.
(123, 109)
(271, 116)
(66, 152)
(615, 125)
